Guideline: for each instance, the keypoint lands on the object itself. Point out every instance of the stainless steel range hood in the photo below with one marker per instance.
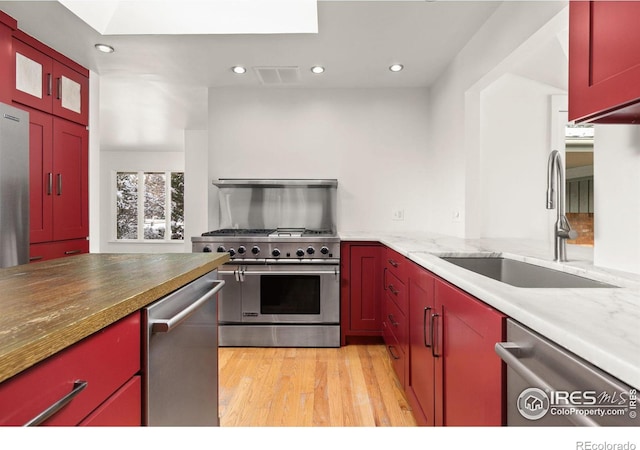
(277, 203)
(275, 183)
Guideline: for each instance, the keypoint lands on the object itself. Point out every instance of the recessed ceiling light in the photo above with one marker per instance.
(396, 67)
(238, 69)
(104, 48)
(317, 69)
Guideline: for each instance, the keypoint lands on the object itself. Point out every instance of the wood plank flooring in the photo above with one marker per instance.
(349, 386)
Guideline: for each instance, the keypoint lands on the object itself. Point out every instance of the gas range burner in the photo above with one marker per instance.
(240, 232)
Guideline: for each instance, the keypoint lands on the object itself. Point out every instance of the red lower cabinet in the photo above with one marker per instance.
(455, 377)
(122, 409)
(96, 375)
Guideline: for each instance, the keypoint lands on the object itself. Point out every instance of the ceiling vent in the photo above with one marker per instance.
(272, 76)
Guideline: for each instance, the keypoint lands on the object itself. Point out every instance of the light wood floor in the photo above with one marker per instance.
(349, 386)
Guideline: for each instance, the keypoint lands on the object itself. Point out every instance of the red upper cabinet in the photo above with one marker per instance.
(49, 82)
(7, 25)
(604, 61)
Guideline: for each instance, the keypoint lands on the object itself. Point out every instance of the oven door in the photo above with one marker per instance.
(281, 294)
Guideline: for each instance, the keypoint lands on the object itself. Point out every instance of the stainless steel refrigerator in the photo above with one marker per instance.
(14, 186)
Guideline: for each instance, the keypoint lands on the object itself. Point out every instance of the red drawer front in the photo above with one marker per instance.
(394, 349)
(397, 322)
(397, 264)
(397, 291)
(59, 249)
(122, 409)
(106, 360)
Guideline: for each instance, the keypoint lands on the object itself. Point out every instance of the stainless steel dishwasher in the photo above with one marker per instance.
(550, 386)
(181, 356)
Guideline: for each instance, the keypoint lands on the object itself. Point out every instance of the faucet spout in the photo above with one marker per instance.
(556, 200)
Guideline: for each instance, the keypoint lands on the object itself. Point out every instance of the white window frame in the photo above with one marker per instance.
(140, 230)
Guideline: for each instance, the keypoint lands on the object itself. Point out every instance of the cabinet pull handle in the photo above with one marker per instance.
(393, 263)
(393, 322)
(433, 336)
(49, 84)
(35, 258)
(49, 183)
(59, 88)
(59, 178)
(393, 290)
(72, 252)
(78, 386)
(393, 355)
(384, 279)
(426, 311)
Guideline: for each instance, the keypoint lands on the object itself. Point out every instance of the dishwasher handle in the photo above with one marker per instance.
(167, 325)
(509, 352)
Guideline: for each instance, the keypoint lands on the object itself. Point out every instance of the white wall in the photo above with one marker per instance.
(455, 112)
(515, 114)
(617, 197)
(372, 140)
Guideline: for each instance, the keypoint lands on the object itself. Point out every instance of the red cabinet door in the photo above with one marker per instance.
(40, 176)
(604, 61)
(421, 381)
(71, 94)
(7, 73)
(472, 374)
(70, 180)
(33, 77)
(366, 287)
(122, 409)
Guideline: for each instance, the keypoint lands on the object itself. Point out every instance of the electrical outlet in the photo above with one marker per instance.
(398, 214)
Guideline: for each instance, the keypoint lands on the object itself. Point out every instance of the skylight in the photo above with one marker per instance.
(115, 17)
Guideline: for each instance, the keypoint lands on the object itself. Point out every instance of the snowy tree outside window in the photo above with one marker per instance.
(148, 204)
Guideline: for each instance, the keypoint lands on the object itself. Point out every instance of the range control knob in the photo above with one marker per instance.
(232, 252)
(310, 250)
(255, 250)
(324, 250)
(221, 249)
(207, 249)
(275, 252)
(300, 253)
(242, 249)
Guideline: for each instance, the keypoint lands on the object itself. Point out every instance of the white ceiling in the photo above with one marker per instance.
(356, 42)
(155, 86)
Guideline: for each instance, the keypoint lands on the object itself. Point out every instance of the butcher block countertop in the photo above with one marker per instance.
(48, 306)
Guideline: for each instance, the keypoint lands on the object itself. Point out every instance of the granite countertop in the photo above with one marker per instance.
(600, 325)
(47, 306)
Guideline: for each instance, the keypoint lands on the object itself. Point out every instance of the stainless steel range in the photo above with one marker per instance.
(282, 283)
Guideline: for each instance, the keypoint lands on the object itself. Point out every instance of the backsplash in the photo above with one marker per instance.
(583, 224)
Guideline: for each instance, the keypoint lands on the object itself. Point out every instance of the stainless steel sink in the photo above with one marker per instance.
(522, 274)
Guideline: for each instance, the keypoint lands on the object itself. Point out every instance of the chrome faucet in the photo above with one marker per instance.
(555, 199)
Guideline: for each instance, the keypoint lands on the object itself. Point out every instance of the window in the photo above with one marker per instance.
(148, 204)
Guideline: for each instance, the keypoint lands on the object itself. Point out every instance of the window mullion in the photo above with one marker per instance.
(141, 196)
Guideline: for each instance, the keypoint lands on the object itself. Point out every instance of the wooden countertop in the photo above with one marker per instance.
(47, 306)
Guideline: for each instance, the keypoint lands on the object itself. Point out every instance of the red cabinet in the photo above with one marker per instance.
(423, 388)
(49, 82)
(59, 249)
(395, 325)
(58, 179)
(604, 61)
(473, 375)
(7, 25)
(455, 377)
(106, 361)
(360, 290)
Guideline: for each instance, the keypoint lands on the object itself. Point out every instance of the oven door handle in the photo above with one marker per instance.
(291, 272)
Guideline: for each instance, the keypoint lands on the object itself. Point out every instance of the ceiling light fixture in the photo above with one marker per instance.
(104, 48)
(317, 69)
(238, 69)
(396, 67)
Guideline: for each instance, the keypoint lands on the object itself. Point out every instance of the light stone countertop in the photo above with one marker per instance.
(601, 325)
